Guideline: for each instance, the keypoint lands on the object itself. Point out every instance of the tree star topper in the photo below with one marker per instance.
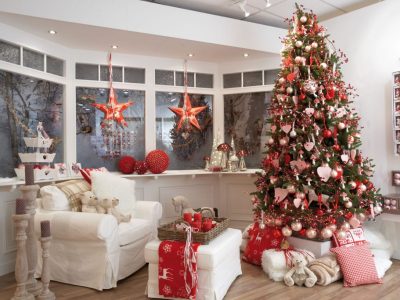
(187, 113)
(113, 110)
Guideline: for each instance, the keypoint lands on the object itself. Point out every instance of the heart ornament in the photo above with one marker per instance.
(344, 158)
(324, 173)
(309, 111)
(286, 128)
(299, 165)
(297, 202)
(309, 146)
(280, 194)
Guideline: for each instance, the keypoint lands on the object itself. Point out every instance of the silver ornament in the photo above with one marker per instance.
(307, 48)
(286, 231)
(310, 86)
(283, 142)
(293, 134)
(289, 90)
(324, 65)
(262, 226)
(326, 233)
(314, 45)
(296, 226)
(298, 44)
(303, 19)
(271, 141)
(348, 204)
(311, 233)
(341, 234)
(345, 226)
(341, 125)
(281, 80)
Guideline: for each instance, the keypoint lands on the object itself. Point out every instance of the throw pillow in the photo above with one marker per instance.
(357, 265)
(53, 198)
(106, 185)
(86, 173)
(72, 189)
(354, 236)
(260, 240)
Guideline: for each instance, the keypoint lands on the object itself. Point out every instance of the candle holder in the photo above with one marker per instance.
(45, 294)
(21, 262)
(29, 194)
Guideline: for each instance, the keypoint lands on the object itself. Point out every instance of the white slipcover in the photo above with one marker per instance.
(92, 250)
(218, 266)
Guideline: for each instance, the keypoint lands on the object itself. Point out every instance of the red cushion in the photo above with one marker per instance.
(357, 265)
(260, 240)
(85, 172)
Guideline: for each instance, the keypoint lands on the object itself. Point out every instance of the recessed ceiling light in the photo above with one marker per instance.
(190, 54)
(51, 31)
(114, 46)
(268, 3)
(245, 54)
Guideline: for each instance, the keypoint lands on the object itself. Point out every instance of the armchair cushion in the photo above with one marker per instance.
(106, 185)
(53, 198)
(133, 231)
(72, 189)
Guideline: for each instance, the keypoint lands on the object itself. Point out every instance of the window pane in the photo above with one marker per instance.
(105, 76)
(134, 75)
(245, 118)
(179, 79)
(270, 76)
(95, 147)
(232, 80)
(252, 78)
(33, 59)
(54, 66)
(187, 147)
(45, 104)
(164, 77)
(87, 71)
(204, 80)
(10, 53)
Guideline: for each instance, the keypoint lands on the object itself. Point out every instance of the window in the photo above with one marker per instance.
(204, 80)
(54, 66)
(186, 148)
(245, 118)
(33, 59)
(232, 80)
(95, 147)
(179, 79)
(24, 101)
(164, 77)
(105, 75)
(10, 53)
(270, 76)
(87, 71)
(252, 78)
(134, 75)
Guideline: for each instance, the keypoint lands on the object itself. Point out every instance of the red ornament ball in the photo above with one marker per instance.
(336, 147)
(126, 164)
(319, 212)
(157, 161)
(327, 133)
(303, 232)
(348, 215)
(141, 167)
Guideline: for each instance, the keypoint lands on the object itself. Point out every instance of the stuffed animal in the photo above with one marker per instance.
(109, 207)
(300, 274)
(89, 202)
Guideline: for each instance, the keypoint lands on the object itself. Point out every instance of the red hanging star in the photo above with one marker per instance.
(187, 113)
(113, 110)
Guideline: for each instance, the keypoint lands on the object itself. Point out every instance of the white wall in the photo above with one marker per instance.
(370, 38)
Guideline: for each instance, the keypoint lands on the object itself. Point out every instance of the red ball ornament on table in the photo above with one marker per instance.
(157, 161)
(141, 167)
(126, 164)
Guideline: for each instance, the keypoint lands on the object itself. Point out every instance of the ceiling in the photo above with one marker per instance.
(87, 37)
(272, 16)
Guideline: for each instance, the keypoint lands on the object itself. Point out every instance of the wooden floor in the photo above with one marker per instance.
(252, 285)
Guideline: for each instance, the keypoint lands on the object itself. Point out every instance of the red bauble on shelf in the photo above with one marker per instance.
(141, 167)
(127, 164)
(157, 161)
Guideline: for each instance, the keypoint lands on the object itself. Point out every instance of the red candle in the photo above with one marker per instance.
(29, 174)
(187, 217)
(45, 228)
(197, 216)
(20, 208)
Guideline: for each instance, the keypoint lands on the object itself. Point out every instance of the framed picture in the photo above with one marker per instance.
(396, 94)
(397, 107)
(61, 170)
(396, 78)
(74, 168)
(397, 121)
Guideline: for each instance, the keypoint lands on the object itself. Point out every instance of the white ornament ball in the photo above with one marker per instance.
(307, 48)
(345, 226)
(291, 189)
(326, 233)
(377, 210)
(348, 204)
(311, 233)
(262, 226)
(387, 201)
(332, 227)
(286, 231)
(281, 80)
(298, 44)
(341, 126)
(324, 65)
(314, 45)
(271, 141)
(289, 90)
(283, 142)
(351, 116)
(296, 226)
(303, 19)
(298, 59)
(341, 234)
(393, 202)
(352, 185)
(362, 187)
(293, 134)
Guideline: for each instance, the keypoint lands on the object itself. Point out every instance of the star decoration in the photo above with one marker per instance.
(187, 113)
(113, 110)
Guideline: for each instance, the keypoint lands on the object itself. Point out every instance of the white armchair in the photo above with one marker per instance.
(92, 250)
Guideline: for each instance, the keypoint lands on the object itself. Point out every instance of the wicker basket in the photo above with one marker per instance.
(169, 232)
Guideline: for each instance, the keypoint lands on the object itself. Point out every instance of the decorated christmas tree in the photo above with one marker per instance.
(315, 180)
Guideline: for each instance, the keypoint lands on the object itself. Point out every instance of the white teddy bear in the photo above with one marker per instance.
(300, 274)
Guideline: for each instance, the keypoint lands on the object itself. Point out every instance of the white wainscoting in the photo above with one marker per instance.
(227, 192)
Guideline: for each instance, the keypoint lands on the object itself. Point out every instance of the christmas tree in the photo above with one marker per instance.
(314, 180)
